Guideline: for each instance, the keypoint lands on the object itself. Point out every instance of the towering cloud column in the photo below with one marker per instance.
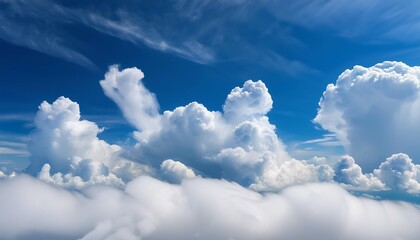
(374, 111)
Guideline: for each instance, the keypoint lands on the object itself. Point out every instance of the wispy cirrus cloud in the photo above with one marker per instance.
(374, 21)
(13, 144)
(12, 151)
(36, 25)
(207, 32)
(202, 32)
(25, 117)
(326, 140)
(128, 28)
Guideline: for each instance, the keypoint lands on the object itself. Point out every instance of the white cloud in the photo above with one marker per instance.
(2, 174)
(198, 208)
(374, 111)
(61, 138)
(66, 150)
(88, 175)
(237, 144)
(399, 173)
(278, 176)
(251, 100)
(347, 172)
(396, 173)
(138, 105)
(175, 172)
(328, 140)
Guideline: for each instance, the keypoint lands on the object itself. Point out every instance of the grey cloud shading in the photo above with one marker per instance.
(174, 171)
(400, 173)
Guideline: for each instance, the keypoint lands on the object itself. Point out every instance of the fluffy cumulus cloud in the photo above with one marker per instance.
(349, 173)
(398, 172)
(250, 100)
(5, 175)
(197, 209)
(238, 144)
(66, 150)
(174, 171)
(374, 111)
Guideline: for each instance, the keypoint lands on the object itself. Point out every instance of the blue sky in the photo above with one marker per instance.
(195, 52)
(115, 127)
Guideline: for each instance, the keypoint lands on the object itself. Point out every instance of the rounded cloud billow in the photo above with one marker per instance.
(252, 99)
(66, 150)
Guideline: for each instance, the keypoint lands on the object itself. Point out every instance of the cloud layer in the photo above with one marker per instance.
(198, 209)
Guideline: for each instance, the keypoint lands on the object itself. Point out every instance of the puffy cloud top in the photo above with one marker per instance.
(60, 111)
(61, 137)
(66, 150)
(349, 173)
(175, 172)
(252, 99)
(398, 172)
(374, 111)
